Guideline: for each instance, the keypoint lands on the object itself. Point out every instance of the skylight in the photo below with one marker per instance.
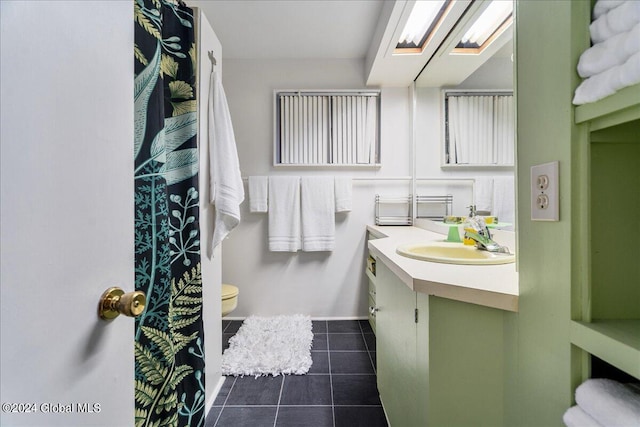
(491, 23)
(424, 18)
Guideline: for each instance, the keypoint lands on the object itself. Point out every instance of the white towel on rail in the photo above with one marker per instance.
(227, 190)
(609, 402)
(611, 52)
(344, 193)
(615, 21)
(603, 6)
(609, 82)
(258, 194)
(577, 417)
(504, 199)
(318, 214)
(484, 194)
(284, 213)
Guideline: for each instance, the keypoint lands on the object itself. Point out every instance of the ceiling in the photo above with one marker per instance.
(287, 29)
(346, 29)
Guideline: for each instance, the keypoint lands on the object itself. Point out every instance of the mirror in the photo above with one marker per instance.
(491, 70)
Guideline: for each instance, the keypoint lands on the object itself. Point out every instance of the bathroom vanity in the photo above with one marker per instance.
(440, 334)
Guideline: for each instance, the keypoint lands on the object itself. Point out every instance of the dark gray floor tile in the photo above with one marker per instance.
(343, 326)
(350, 362)
(360, 416)
(225, 323)
(366, 326)
(319, 342)
(319, 326)
(306, 390)
(224, 391)
(370, 340)
(255, 391)
(320, 363)
(305, 417)
(212, 416)
(373, 360)
(355, 390)
(233, 326)
(247, 417)
(353, 342)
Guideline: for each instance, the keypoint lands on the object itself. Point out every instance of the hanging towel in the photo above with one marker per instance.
(615, 21)
(318, 214)
(484, 194)
(258, 194)
(609, 402)
(344, 194)
(576, 417)
(284, 213)
(609, 82)
(611, 52)
(504, 199)
(227, 191)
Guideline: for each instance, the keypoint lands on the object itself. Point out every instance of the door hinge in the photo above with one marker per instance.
(415, 316)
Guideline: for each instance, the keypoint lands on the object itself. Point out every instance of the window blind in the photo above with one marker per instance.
(480, 129)
(327, 128)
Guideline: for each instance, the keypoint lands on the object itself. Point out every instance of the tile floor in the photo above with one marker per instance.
(339, 390)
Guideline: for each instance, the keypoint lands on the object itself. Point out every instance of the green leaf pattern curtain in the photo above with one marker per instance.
(169, 341)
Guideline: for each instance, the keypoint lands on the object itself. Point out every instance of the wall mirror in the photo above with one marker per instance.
(473, 74)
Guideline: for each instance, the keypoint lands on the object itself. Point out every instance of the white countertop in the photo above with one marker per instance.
(488, 285)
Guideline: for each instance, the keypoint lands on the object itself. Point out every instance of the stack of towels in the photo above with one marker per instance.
(613, 62)
(301, 210)
(604, 403)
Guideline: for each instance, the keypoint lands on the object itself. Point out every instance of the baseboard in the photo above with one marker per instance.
(216, 390)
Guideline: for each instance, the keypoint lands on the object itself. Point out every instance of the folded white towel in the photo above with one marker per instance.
(576, 417)
(609, 82)
(603, 6)
(284, 213)
(615, 21)
(318, 214)
(504, 199)
(611, 52)
(227, 190)
(609, 402)
(344, 194)
(484, 194)
(258, 194)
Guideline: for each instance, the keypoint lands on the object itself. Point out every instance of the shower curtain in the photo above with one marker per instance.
(169, 340)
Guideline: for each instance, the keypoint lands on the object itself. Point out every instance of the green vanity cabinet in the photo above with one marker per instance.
(446, 369)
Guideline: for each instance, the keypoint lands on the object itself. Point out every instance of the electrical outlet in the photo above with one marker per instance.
(545, 189)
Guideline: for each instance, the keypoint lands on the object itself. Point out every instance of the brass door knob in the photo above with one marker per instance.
(115, 301)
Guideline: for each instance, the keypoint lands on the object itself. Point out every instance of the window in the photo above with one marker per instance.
(327, 128)
(479, 128)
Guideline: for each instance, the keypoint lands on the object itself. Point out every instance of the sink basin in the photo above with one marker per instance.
(453, 253)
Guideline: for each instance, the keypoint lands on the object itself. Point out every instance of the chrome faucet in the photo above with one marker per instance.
(482, 237)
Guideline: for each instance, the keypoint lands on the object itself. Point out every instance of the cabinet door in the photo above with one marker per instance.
(396, 348)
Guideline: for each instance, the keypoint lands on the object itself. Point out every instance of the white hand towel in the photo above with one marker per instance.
(504, 199)
(615, 21)
(344, 194)
(611, 52)
(318, 214)
(227, 190)
(608, 82)
(484, 194)
(576, 417)
(284, 213)
(258, 194)
(609, 402)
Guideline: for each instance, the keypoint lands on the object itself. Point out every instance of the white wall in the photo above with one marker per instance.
(321, 284)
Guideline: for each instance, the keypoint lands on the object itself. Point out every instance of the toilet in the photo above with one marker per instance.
(229, 298)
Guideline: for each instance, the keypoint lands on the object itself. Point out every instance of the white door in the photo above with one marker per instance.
(67, 212)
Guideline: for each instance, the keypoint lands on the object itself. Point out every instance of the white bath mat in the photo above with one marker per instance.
(270, 346)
